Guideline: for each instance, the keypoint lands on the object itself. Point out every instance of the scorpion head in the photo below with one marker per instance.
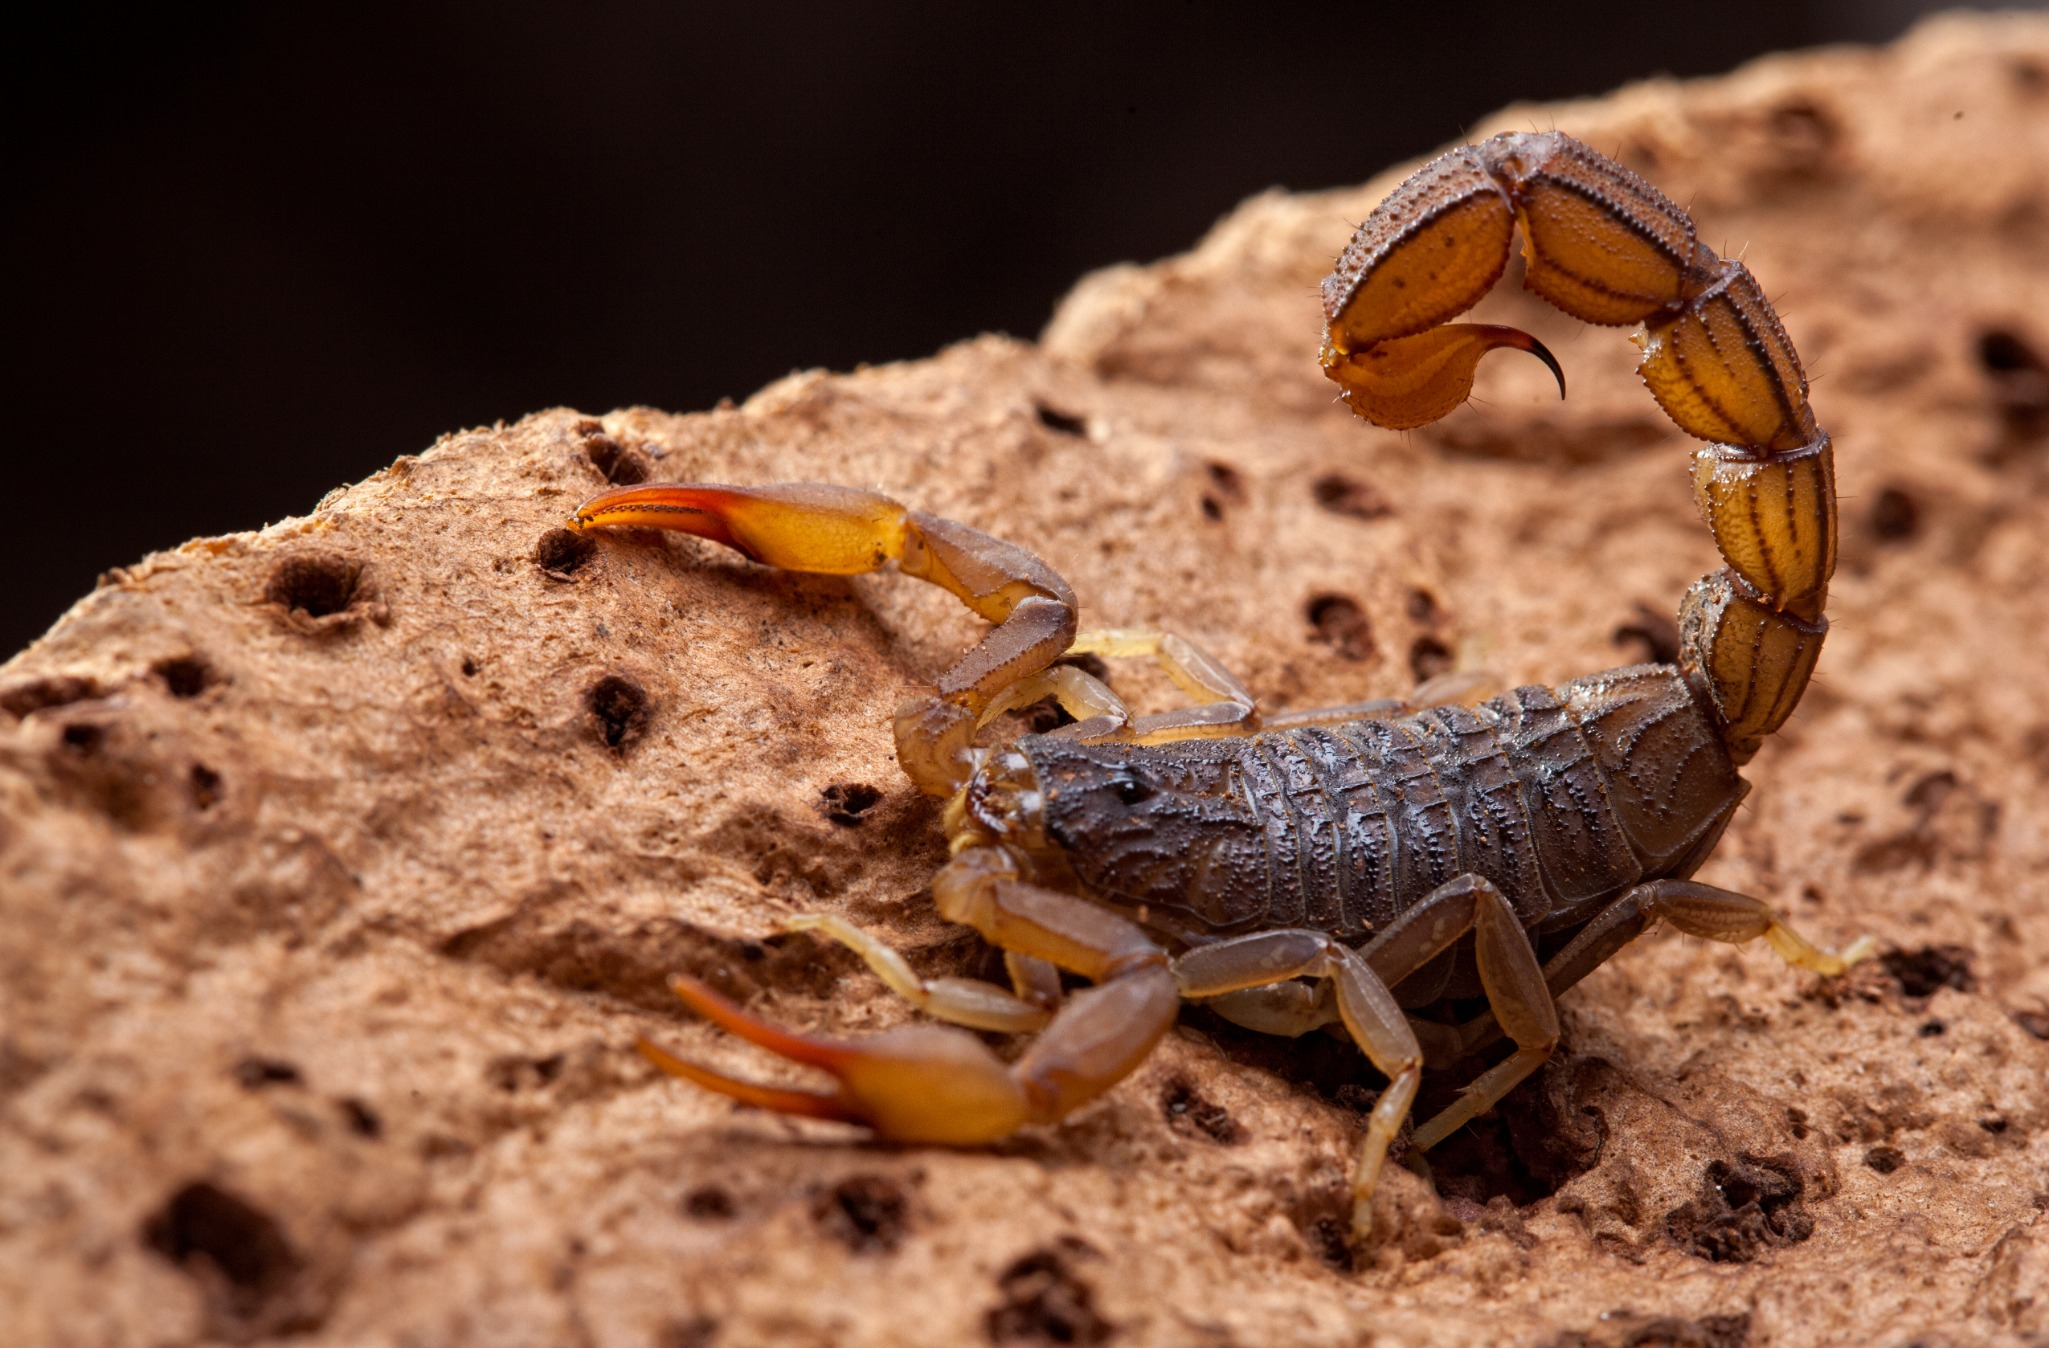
(1001, 802)
(1166, 827)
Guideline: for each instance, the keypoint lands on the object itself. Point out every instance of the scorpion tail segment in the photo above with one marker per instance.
(1601, 243)
(1408, 382)
(1750, 658)
(1722, 367)
(1424, 256)
(1774, 518)
(917, 1083)
(838, 531)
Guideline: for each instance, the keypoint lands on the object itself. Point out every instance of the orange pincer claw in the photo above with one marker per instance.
(918, 1083)
(804, 526)
(806, 1104)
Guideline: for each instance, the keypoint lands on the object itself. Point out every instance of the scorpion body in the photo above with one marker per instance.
(1357, 865)
(1342, 828)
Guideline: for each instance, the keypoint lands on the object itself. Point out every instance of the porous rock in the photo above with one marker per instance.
(342, 862)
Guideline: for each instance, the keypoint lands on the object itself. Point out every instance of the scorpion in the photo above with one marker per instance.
(1370, 866)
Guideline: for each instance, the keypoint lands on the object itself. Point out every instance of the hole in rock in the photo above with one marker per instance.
(202, 1222)
(1548, 1131)
(1921, 972)
(363, 1121)
(1894, 516)
(845, 802)
(42, 694)
(1804, 130)
(709, 1203)
(1187, 1108)
(1059, 422)
(2019, 377)
(622, 467)
(1045, 1303)
(1338, 622)
(185, 675)
(560, 552)
(1343, 495)
(1625, 1328)
(865, 1213)
(2002, 352)
(1744, 1208)
(1330, 1243)
(699, 1331)
(204, 784)
(1429, 657)
(512, 1072)
(619, 711)
(256, 1073)
(317, 584)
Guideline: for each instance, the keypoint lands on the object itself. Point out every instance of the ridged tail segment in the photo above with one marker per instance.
(1608, 248)
(1562, 797)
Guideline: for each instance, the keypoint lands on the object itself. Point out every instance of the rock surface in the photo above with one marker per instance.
(341, 862)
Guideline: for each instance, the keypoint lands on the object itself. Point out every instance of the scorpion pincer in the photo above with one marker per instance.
(1364, 864)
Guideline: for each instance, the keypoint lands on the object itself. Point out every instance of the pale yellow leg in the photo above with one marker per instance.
(1097, 711)
(1378, 709)
(1364, 1004)
(962, 1001)
(1224, 706)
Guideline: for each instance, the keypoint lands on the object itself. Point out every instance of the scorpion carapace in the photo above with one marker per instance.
(1349, 866)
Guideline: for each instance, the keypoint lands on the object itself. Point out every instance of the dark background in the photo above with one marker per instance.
(255, 252)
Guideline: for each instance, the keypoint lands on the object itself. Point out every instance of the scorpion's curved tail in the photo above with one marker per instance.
(1608, 248)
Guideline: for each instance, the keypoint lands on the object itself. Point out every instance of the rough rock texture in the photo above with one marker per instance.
(341, 863)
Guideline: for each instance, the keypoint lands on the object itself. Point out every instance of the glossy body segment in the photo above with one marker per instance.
(1425, 255)
(1773, 518)
(1723, 368)
(1753, 660)
(1600, 242)
(1562, 798)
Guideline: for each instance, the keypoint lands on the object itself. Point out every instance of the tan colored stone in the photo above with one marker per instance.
(328, 913)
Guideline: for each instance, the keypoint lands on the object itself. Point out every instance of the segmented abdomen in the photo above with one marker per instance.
(1563, 797)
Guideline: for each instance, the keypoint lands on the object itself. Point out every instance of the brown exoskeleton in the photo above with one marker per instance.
(1345, 865)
